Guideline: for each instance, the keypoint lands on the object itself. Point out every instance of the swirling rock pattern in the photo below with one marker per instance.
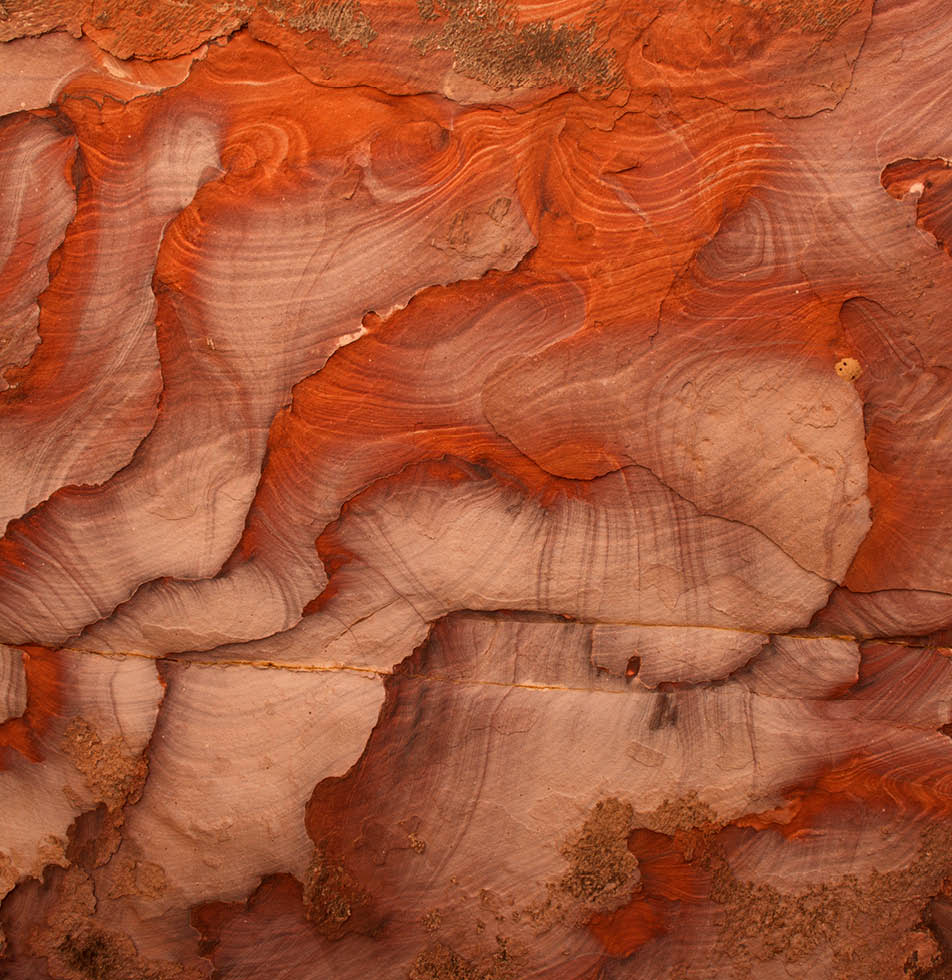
(476, 493)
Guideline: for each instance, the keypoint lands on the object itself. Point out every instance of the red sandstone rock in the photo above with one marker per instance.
(475, 492)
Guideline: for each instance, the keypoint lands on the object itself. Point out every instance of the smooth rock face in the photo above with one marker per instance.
(476, 490)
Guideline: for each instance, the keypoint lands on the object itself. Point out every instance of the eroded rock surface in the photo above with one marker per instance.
(476, 490)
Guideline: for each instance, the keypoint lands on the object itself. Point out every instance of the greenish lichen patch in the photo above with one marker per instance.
(824, 17)
(112, 772)
(490, 47)
(331, 896)
(93, 954)
(871, 923)
(440, 962)
(682, 813)
(602, 871)
(76, 944)
(344, 20)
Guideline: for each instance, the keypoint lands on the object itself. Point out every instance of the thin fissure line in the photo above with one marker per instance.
(184, 657)
(380, 672)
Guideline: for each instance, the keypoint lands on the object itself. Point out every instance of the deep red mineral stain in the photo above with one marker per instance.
(475, 490)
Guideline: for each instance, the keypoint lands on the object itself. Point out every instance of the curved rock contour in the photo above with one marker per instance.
(476, 490)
